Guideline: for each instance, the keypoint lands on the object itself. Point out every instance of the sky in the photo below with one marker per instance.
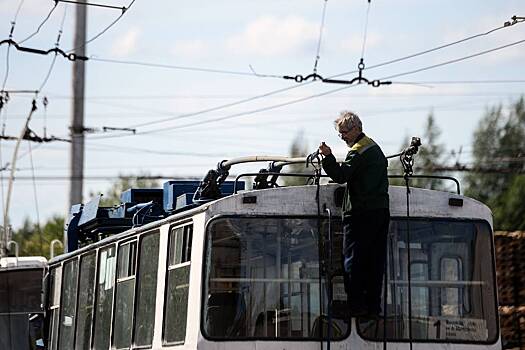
(201, 81)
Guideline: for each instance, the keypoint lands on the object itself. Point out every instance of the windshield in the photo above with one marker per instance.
(451, 283)
(262, 280)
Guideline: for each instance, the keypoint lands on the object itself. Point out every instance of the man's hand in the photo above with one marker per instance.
(325, 149)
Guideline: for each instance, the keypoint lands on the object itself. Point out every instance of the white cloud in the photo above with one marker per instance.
(271, 35)
(126, 44)
(191, 48)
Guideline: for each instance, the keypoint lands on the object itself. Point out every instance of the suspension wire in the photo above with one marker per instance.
(93, 4)
(403, 58)
(41, 24)
(6, 67)
(36, 199)
(17, 12)
(321, 28)
(231, 116)
(455, 60)
(13, 24)
(45, 102)
(187, 68)
(307, 97)
(57, 44)
(124, 10)
(187, 115)
(286, 103)
(365, 31)
(274, 91)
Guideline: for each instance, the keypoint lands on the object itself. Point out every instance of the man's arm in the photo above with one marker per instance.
(340, 173)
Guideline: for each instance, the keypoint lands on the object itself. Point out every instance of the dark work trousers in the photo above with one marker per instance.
(364, 253)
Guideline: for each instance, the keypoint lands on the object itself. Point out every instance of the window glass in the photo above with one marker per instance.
(451, 271)
(54, 306)
(262, 280)
(124, 301)
(22, 289)
(146, 289)
(104, 301)
(68, 305)
(20, 295)
(452, 283)
(177, 284)
(420, 294)
(86, 295)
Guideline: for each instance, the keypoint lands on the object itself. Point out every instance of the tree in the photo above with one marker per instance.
(123, 183)
(35, 240)
(499, 143)
(430, 155)
(299, 148)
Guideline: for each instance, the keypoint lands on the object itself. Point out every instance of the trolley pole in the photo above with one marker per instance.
(77, 118)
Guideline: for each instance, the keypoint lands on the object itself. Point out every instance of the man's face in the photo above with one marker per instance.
(348, 135)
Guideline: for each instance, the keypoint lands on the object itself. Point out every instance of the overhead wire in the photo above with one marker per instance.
(365, 32)
(185, 68)
(124, 10)
(13, 24)
(321, 29)
(41, 24)
(235, 115)
(274, 92)
(424, 52)
(455, 60)
(35, 196)
(57, 44)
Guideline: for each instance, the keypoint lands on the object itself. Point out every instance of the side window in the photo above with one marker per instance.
(146, 289)
(54, 306)
(125, 295)
(178, 279)
(86, 294)
(105, 286)
(68, 303)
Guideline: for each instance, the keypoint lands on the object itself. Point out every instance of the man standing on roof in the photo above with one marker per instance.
(366, 214)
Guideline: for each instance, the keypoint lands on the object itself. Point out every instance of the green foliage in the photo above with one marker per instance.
(499, 144)
(299, 148)
(35, 241)
(123, 183)
(430, 155)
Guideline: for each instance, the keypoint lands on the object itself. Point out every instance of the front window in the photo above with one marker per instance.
(262, 280)
(451, 283)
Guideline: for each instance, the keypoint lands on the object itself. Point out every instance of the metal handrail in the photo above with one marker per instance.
(430, 177)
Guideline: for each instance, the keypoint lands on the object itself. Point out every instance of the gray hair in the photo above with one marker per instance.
(349, 120)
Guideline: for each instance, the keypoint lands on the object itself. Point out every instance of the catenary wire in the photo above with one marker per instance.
(186, 68)
(290, 87)
(365, 31)
(321, 29)
(235, 115)
(454, 60)
(403, 58)
(35, 196)
(57, 44)
(41, 24)
(104, 30)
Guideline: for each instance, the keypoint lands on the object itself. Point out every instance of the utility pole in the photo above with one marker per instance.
(77, 118)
